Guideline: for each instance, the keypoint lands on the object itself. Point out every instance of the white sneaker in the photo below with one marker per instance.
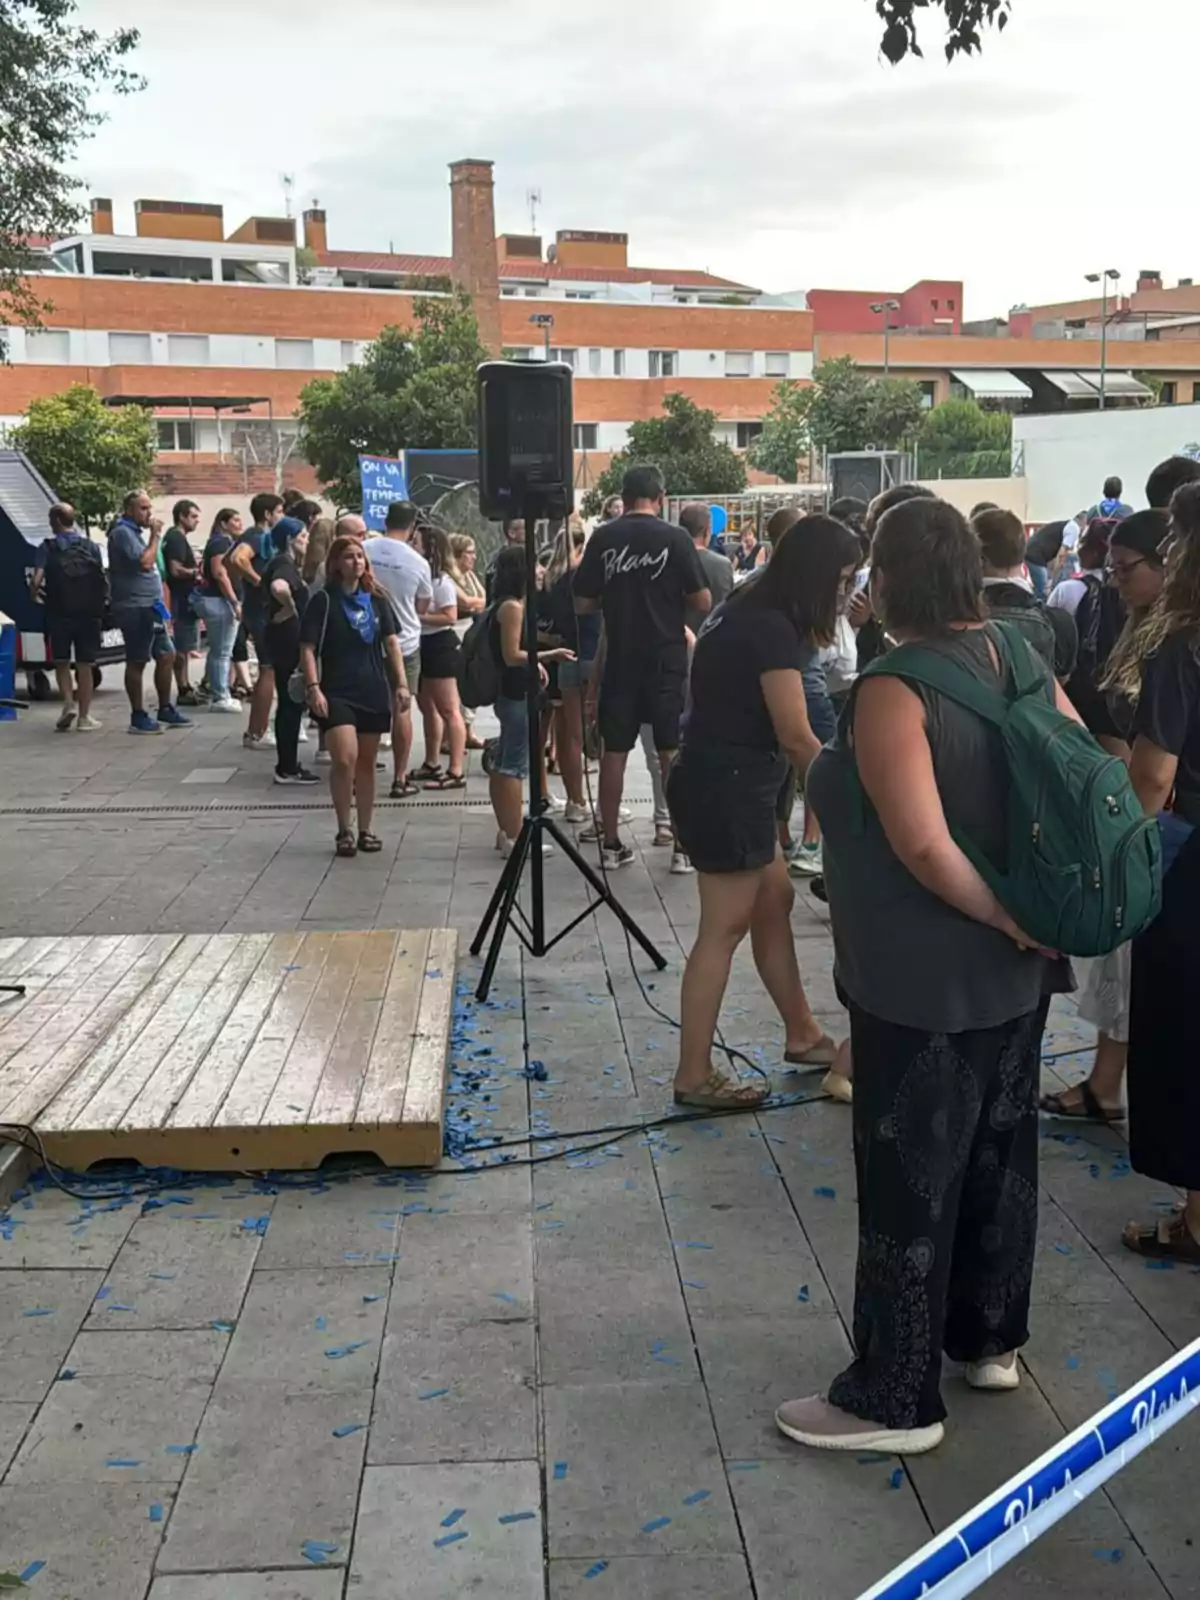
(88, 724)
(996, 1372)
(322, 759)
(664, 835)
(506, 846)
(258, 741)
(681, 867)
(806, 862)
(555, 802)
(575, 814)
(231, 707)
(385, 742)
(302, 736)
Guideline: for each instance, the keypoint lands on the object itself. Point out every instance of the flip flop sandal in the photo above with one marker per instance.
(1055, 1105)
(475, 743)
(449, 780)
(403, 788)
(1168, 1239)
(718, 1093)
(344, 844)
(424, 773)
(822, 1054)
(369, 844)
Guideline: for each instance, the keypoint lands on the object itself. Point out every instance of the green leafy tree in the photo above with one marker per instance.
(785, 436)
(850, 410)
(959, 439)
(414, 389)
(49, 70)
(965, 19)
(682, 445)
(90, 454)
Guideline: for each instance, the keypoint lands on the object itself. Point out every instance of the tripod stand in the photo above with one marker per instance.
(503, 907)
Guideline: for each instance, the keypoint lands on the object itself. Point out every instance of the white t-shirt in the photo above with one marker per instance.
(1065, 596)
(404, 573)
(444, 596)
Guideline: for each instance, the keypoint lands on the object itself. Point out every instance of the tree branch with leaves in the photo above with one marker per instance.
(681, 444)
(965, 22)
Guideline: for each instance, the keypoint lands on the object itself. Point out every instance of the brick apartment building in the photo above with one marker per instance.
(219, 331)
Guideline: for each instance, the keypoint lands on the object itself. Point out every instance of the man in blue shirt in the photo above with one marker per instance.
(138, 610)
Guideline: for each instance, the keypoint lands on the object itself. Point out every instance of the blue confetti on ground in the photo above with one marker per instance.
(38, 1311)
(452, 1517)
(802, 1294)
(825, 1192)
(693, 1283)
(596, 1569)
(156, 1512)
(450, 1538)
(1072, 1363)
(223, 1327)
(433, 1394)
(31, 1571)
(655, 1524)
(560, 1471)
(319, 1324)
(182, 1449)
(121, 1461)
(1160, 1266)
(742, 1466)
(66, 1374)
(691, 1244)
(1064, 1249)
(258, 1225)
(1111, 1556)
(509, 1299)
(370, 1299)
(347, 1428)
(341, 1350)
(516, 1516)
(695, 1498)
(897, 1478)
(103, 1294)
(317, 1551)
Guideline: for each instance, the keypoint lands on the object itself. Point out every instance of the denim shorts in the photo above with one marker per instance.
(576, 674)
(511, 755)
(147, 637)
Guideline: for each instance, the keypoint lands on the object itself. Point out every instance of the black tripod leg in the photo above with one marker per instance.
(510, 883)
(498, 893)
(583, 865)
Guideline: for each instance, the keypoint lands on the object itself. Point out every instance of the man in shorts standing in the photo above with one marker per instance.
(179, 563)
(404, 575)
(138, 610)
(70, 582)
(645, 576)
(246, 563)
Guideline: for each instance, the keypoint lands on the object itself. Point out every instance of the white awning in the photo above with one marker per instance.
(1122, 384)
(1072, 385)
(991, 384)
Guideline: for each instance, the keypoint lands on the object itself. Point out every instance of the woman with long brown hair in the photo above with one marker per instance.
(1164, 767)
(354, 683)
(441, 663)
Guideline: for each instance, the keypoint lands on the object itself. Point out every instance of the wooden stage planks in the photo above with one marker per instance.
(232, 1051)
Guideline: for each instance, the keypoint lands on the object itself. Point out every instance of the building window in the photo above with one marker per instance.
(177, 436)
(664, 363)
(585, 436)
(129, 348)
(570, 357)
(618, 363)
(779, 364)
(509, 292)
(1195, 392)
(746, 432)
(949, 305)
(518, 352)
(934, 304)
(581, 294)
(187, 349)
(1166, 395)
(594, 363)
(739, 363)
(293, 353)
(928, 388)
(49, 346)
(348, 353)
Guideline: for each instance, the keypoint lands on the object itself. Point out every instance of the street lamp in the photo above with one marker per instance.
(886, 307)
(544, 321)
(1103, 278)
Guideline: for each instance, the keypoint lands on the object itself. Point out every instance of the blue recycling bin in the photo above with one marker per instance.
(8, 666)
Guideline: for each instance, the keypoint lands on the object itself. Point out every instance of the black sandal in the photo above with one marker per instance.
(344, 844)
(369, 844)
(1055, 1105)
(448, 780)
(402, 788)
(1168, 1239)
(425, 772)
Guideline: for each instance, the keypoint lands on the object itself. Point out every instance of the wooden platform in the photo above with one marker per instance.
(228, 1052)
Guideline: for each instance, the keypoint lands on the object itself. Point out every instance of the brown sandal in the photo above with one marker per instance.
(718, 1093)
(448, 780)
(1088, 1109)
(402, 788)
(369, 844)
(344, 844)
(1168, 1239)
(821, 1054)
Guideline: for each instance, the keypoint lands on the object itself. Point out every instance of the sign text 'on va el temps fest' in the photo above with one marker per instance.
(383, 480)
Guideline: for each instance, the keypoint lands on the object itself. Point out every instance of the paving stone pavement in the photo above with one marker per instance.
(552, 1381)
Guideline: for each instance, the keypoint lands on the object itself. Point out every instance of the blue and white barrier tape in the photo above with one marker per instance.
(955, 1562)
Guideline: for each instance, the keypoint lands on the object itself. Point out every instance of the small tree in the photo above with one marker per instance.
(414, 389)
(90, 454)
(681, 443)
(850, 410)
(784, 437)
(49, 69)
(959, 439)
(964, 20)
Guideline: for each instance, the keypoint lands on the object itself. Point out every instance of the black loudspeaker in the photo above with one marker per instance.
(525, 456)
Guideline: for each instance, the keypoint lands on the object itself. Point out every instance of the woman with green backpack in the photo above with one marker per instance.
(947, 996)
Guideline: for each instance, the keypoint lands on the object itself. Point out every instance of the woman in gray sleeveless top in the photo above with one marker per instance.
(947, 1000)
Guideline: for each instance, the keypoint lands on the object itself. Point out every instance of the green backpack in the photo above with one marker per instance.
(1084, 861)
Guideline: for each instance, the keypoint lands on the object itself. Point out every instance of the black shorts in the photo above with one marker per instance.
(722, 804)
(441, 654)
(656, 695)
(241, 650)
(78, 634)
(343, 715)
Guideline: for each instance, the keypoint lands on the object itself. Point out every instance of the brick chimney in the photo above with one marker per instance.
(315, 237)
(1149, 278)
(102, 216)
(473, 244)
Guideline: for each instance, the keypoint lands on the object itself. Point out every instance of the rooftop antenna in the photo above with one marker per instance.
(289, 188)
(533, 199)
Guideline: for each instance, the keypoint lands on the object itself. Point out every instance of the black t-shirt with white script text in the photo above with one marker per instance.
(641, 569)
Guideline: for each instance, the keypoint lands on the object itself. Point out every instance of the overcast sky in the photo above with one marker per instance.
(766, 140)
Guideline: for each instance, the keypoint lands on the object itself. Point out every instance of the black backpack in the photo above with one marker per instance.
(1099, 618)
(75, 582)
(480, 679)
